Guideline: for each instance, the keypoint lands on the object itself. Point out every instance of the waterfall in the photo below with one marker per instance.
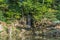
(29, 21)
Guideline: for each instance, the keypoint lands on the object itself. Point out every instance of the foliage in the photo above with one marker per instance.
(38, 9)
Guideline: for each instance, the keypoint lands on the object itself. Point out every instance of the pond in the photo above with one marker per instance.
(31, 37)
(39, 38)
(26, 35)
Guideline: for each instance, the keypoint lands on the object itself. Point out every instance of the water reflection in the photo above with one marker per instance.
(32, 37)
(26, 36)
(38, 38)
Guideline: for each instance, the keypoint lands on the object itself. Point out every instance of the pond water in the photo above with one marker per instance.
(31, 37)
(39, 38)
(26, 35)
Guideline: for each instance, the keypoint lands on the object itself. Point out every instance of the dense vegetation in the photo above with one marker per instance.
(37, 9)
(36, 13)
